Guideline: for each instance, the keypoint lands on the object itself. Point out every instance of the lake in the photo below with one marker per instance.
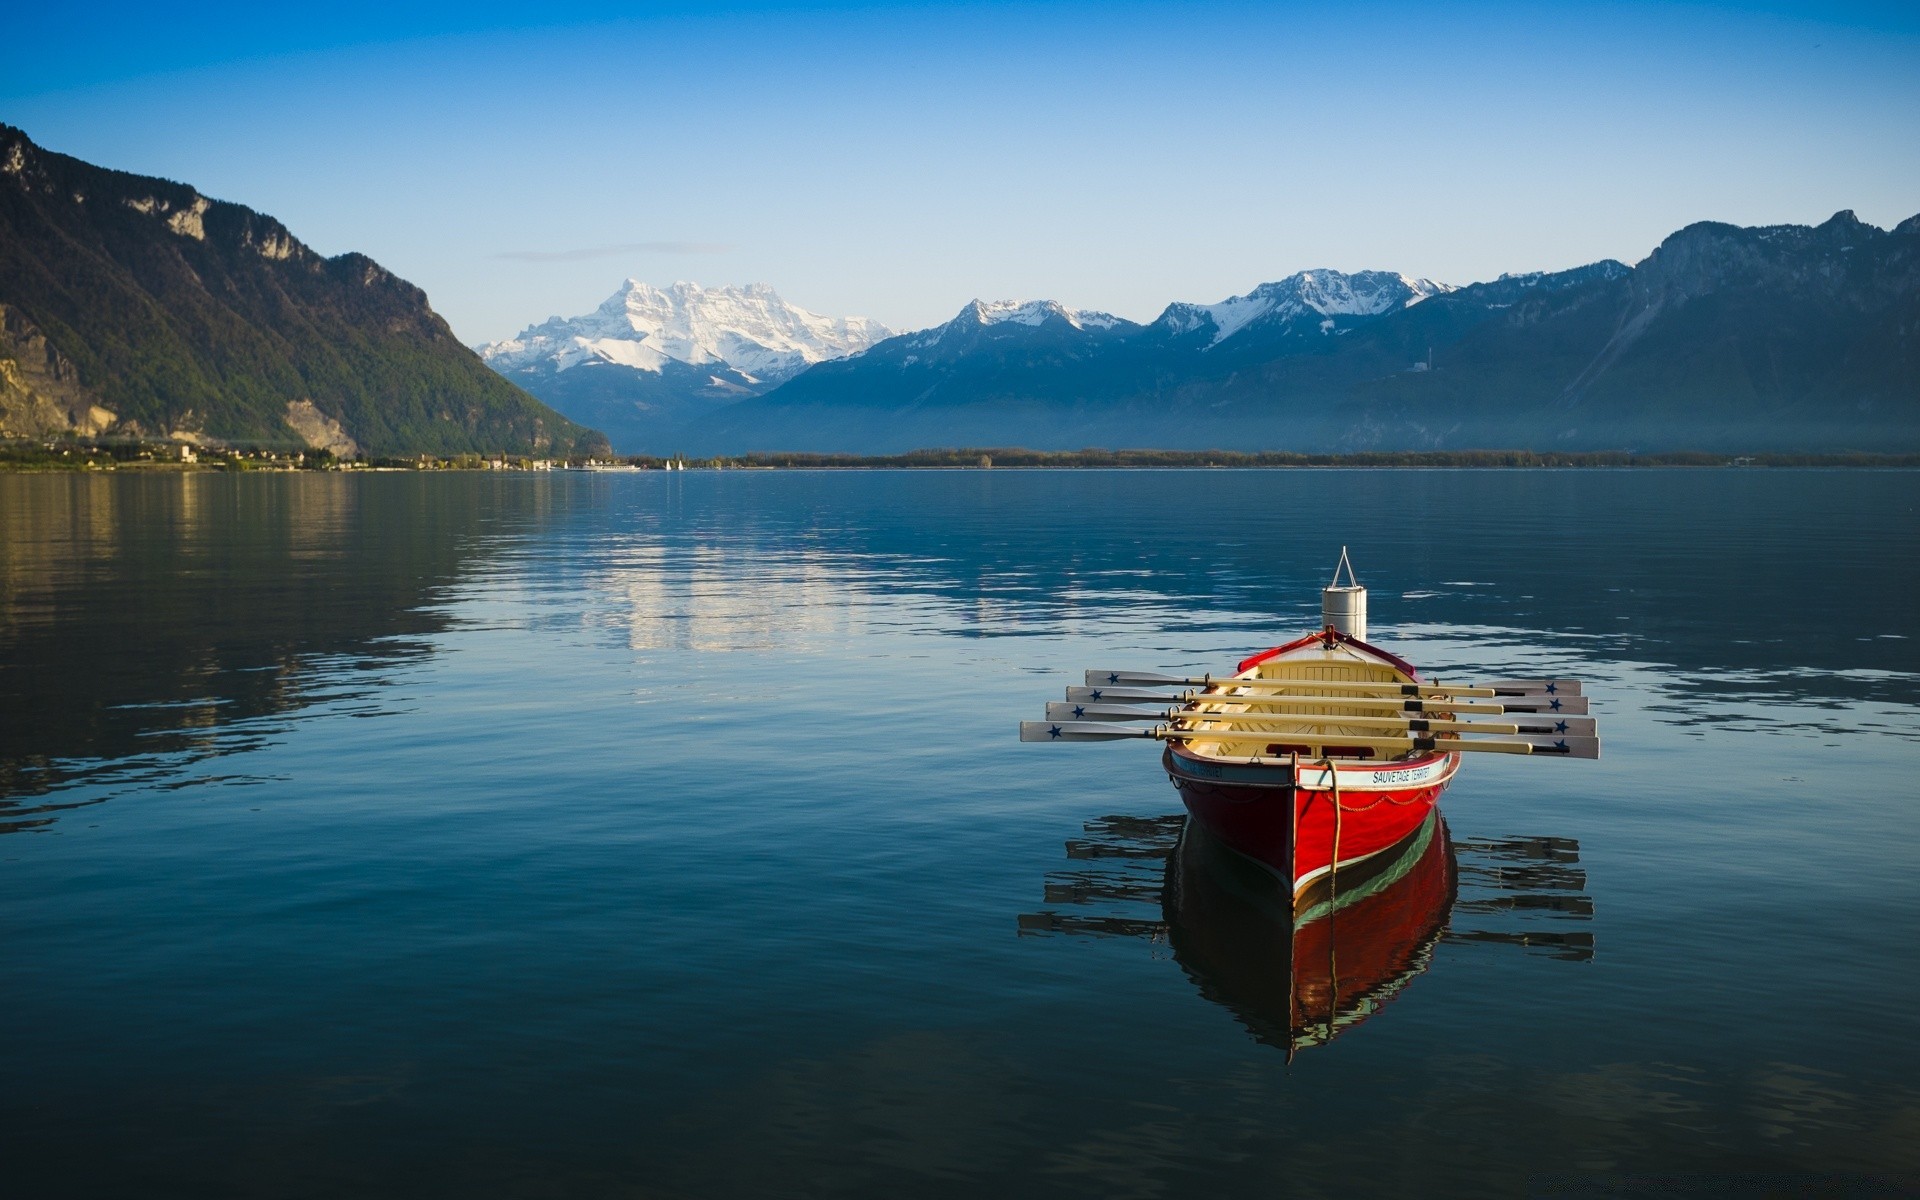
(666, 835)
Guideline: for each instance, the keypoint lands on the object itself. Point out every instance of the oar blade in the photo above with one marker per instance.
(1087, 710)
(1553, 725)
(1132, 678)
(1076, 731)
(1532, 687)
(1573, 706)
(1547, 744)
(1098, 695)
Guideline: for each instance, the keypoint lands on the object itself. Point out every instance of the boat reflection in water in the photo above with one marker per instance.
(1300, 979)
(1297, 981)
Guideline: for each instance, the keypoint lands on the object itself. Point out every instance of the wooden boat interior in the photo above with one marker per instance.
(1301, 669)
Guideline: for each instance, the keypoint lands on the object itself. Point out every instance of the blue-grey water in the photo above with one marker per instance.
(665, 835)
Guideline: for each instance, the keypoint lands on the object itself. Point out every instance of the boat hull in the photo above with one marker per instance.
(1290, 825)
(1297, 977)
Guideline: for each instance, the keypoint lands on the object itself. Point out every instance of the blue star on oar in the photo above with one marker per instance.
(1096, 693)
(1561, 745)
(1113, 679)
(1559, 726)
(1552, 687)
(1554, 705)
(1079, 712)
(1053, 731)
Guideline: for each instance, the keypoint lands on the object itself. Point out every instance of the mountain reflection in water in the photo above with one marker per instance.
(151, 625)
(1296, 981)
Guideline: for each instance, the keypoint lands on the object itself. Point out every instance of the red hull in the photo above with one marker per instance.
(1349, 808)
(1300, 979)
(1365, 950)
(1291, 831)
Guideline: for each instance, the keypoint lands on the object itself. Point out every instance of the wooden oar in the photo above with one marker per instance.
(1093, 731)
(1571, 705)
(1535, 687)
(1501, 687)
(1577, 726)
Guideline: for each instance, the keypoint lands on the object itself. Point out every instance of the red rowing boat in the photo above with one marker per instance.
(1309, 810)
(1320, 755)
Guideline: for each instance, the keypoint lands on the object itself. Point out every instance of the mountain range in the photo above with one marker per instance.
(135, 307)
(1778, 338)
(649, 361)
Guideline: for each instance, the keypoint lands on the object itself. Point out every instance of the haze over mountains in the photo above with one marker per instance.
(137, 308)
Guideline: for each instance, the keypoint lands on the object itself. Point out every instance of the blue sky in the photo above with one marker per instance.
(897, 160)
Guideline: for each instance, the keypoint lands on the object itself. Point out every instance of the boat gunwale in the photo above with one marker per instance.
(1344, 765)
(1331, 636)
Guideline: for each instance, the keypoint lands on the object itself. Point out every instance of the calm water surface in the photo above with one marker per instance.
(666, 835)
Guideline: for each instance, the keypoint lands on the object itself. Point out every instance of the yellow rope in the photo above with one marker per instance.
(1333, 864)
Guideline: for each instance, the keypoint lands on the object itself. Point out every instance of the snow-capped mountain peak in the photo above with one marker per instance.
(1035, 312)
(1330, 295)
(750, 329)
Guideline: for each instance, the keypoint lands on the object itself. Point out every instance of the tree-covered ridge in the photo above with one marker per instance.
(136, 307)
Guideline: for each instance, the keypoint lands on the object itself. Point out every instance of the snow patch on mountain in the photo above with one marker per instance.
(1330, 294)
(1032, 313)
(1036, 312)
(1604, 269)
(750, 329)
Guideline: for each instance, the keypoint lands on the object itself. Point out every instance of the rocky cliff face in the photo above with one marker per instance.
(1789, 325)
(1842, 261)
(136, 307)
(40, 389)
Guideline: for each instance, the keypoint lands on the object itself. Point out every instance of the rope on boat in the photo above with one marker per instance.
(1384, 798)
(1333, 864)
(1333, 902)
(1293, 834)
(1293, 873)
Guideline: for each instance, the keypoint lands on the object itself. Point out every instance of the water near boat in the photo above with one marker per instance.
(666, 835)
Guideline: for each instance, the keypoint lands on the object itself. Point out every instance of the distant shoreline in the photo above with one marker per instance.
(25, 457)
(978, 459)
